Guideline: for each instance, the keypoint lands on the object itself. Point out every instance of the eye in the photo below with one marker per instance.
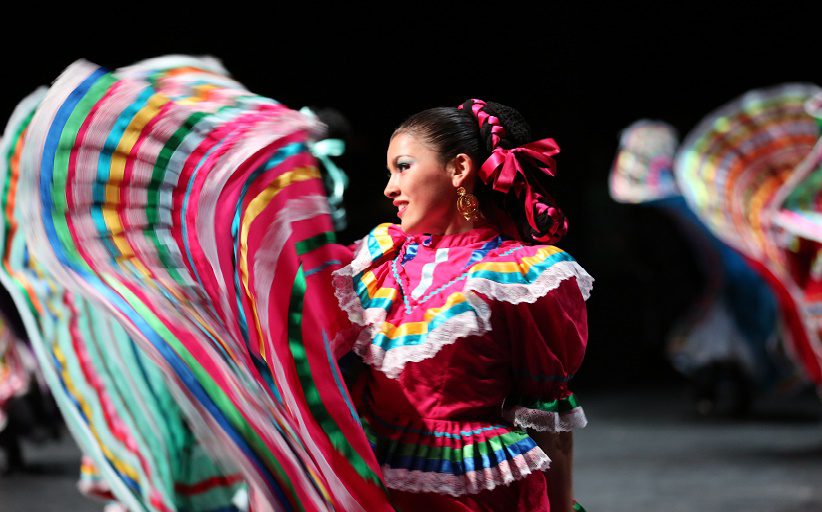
(403, 166)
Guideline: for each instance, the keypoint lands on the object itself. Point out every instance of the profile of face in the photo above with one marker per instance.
(423, 189)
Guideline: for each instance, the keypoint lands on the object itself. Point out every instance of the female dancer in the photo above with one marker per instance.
(260, 385)
(471, 325)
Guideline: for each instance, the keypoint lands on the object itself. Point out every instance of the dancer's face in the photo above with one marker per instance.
(422, 188)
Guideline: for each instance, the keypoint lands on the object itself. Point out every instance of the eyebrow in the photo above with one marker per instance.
(394, 161)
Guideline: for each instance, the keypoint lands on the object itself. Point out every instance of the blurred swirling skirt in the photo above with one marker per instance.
(177, 256)
(139, 448)
(750, 170)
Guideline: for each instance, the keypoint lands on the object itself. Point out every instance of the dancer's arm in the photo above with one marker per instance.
(560, 448)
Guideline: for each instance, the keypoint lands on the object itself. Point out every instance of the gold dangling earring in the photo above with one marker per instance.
(467, 205)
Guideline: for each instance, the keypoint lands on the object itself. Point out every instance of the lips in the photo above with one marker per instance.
(401, 206)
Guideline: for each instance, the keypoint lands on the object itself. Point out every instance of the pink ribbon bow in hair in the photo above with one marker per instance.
(501, 169)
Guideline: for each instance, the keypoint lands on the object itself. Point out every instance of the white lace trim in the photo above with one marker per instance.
(546, 421)
(343, 282)
(547, 281)
(471, 482)
(362, 256)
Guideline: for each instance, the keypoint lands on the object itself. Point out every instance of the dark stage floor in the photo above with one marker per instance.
(642, 451)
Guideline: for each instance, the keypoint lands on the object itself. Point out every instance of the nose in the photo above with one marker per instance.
(391, 188)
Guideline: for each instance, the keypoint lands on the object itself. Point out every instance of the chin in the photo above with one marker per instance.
(411, 228)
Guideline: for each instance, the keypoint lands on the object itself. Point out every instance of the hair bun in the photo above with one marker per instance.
(517, 131)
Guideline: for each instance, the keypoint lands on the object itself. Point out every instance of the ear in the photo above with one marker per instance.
(463, 171)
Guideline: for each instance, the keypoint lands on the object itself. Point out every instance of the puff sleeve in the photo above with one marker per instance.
(548, 340)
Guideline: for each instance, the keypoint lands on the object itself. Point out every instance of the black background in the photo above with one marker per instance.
(579, 74)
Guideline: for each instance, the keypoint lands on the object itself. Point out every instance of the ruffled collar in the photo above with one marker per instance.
(473, 236)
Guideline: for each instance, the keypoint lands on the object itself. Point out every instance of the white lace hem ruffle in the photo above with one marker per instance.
(471, 482)
(546, 421)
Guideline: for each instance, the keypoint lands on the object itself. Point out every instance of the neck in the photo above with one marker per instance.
(460, 225)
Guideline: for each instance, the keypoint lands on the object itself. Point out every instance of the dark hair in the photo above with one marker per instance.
(450, 131)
